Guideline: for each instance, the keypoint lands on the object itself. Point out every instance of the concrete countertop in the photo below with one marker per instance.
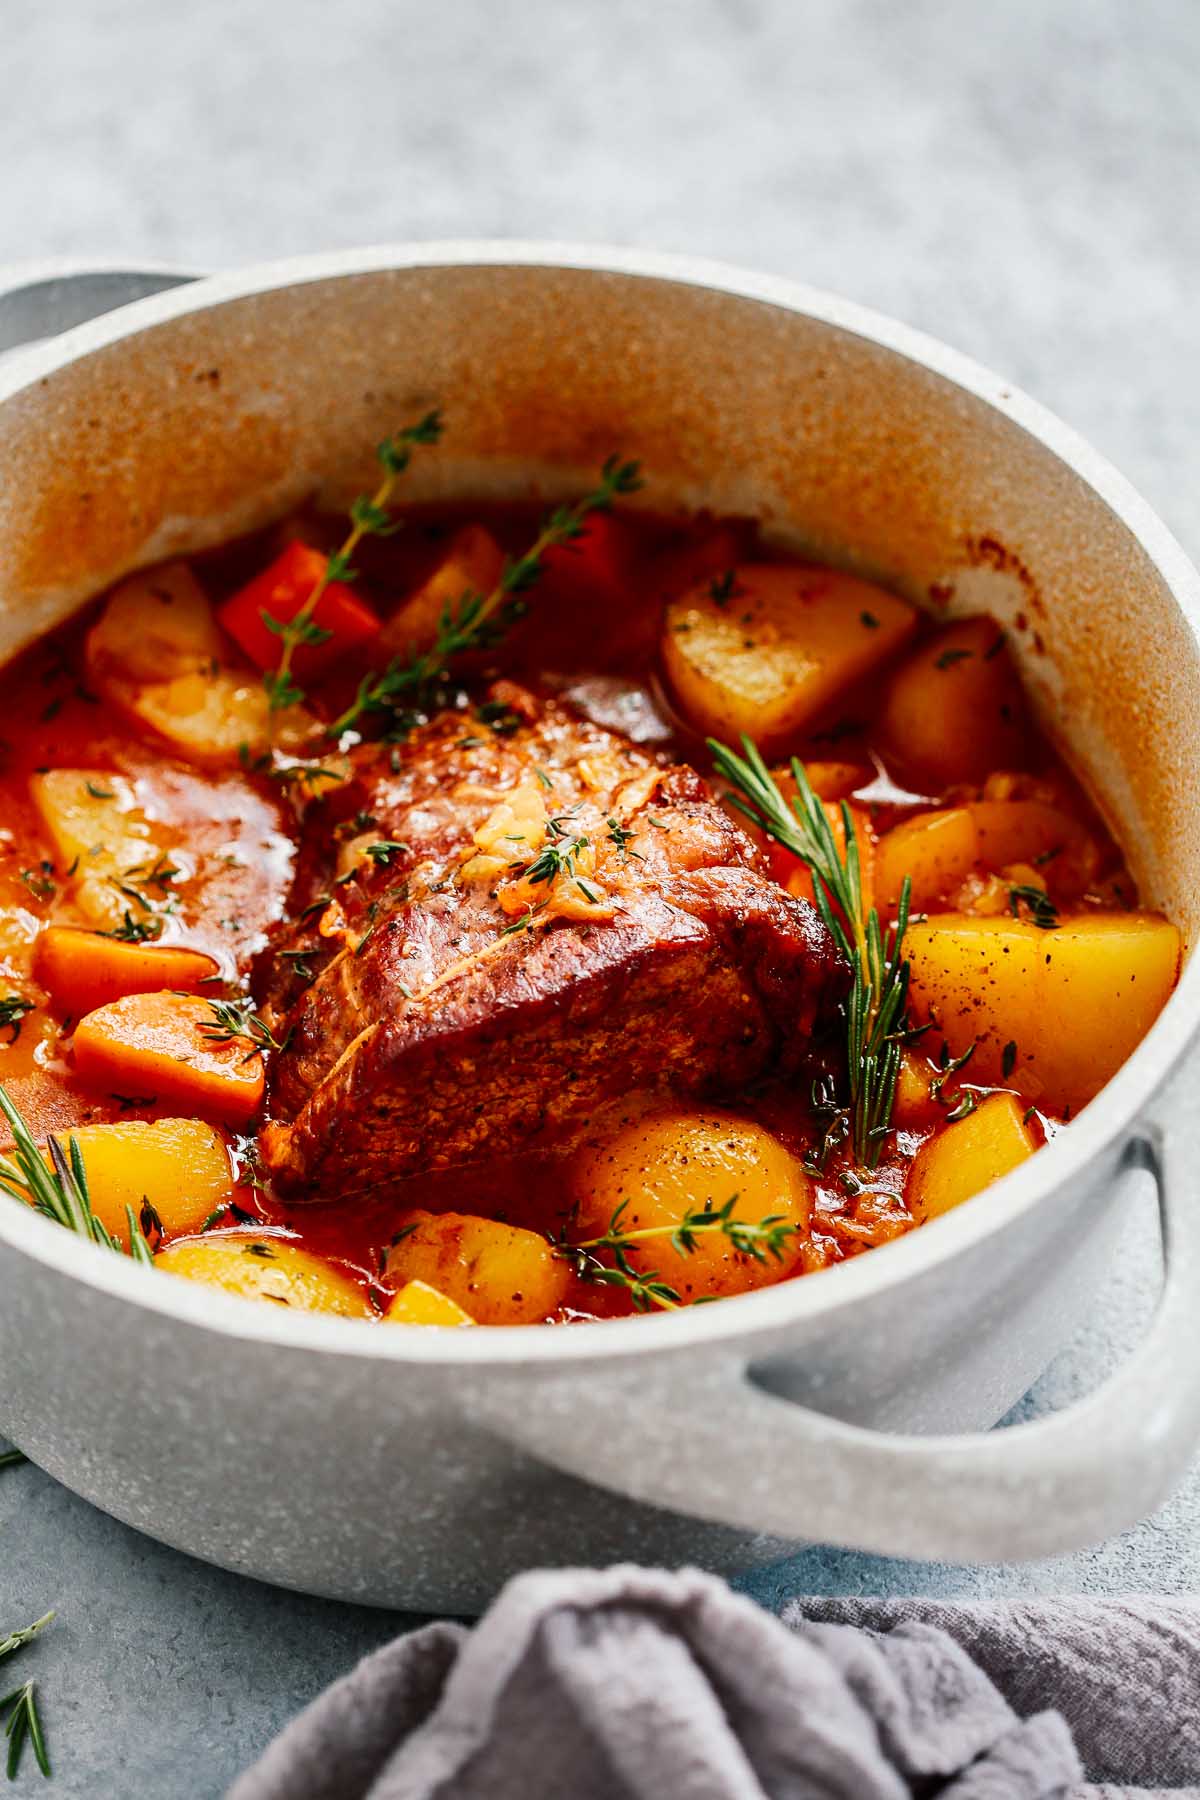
(1015, 179)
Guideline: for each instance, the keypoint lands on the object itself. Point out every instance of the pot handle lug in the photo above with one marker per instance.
(1036, 1489)
(38, 300)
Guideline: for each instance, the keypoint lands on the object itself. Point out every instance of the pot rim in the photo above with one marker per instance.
(768, 1311)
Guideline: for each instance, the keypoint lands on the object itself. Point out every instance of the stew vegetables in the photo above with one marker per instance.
(455, 917)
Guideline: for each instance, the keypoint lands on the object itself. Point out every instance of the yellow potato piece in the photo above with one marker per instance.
(181, 1166)
(100, 836)
(1073, 1002)
(499, 1274)
(266, 1268)
(419, 1304)
(938, 850)
(781, 648)
(157, 652)
(955, 710)
(968, 1156)
(473, 564)
(668, 1162)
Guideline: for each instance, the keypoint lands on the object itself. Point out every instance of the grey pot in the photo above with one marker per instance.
(420, 1469)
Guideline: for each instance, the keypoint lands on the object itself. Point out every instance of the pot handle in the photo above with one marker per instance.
(38, 300)
(1029, 1490)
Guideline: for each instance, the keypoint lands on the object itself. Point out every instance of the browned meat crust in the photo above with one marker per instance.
(565, 920)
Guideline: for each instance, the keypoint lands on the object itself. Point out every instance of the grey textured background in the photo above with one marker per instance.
(1018, 178)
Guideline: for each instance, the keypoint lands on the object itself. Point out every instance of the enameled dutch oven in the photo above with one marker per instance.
(421, 1468)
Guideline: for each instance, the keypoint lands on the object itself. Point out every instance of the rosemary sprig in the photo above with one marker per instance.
(478, 621)
(233, 1019)
(368, 516)
(876, 1021)
(17, 1639)
(60, 1192)
(23, 1725)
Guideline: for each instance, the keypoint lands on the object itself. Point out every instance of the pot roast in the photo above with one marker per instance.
(505, 921)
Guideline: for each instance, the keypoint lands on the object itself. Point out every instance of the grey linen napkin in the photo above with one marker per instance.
(636, 1684)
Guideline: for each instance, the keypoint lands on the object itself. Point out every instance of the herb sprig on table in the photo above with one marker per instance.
(19, 1709)
(875, 1008)
(478, 621)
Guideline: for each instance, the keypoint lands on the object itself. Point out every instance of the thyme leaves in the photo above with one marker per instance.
(478, 621)
(762, 1239)
(368, 516)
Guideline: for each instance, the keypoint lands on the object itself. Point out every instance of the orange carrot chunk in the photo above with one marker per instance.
(281, 591)
(156, 1044)
(85, 969)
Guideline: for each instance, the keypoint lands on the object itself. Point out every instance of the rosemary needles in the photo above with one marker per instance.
(875, 1008)
(19, 1709)
(60, 1192)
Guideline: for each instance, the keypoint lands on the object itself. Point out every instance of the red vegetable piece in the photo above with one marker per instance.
(595, 566)
(282, 590)
(679, 568)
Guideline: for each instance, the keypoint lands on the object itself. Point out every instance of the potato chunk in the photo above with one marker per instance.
(266, 1268)
(1053, 1014)
(157, 653)
(668, 1162)
(955, 709)
(181, 1166)
(100, 837)
(938, 850)
(419, 1304)
(782, 645)
(968, 1156)
(166, 1046)
(499, 1274)
(473, 564)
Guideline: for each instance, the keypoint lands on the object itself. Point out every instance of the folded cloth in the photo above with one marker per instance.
(637, 1684)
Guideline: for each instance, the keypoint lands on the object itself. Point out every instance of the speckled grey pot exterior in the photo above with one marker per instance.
(419, 1469)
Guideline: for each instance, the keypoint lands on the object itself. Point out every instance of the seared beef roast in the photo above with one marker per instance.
(499, 931)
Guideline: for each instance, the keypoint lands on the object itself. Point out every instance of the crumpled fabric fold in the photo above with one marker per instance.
(636, 1684)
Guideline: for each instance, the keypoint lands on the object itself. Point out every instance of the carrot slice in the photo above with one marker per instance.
(596, 566)
(85, 969)
(281, 591)
(155, 1044)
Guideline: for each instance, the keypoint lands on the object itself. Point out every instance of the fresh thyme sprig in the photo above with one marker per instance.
(136, 931)
(477, 621)
(368, 517)
(757, 1238)
(559, 853)
(60, 1192)
(233, 1019)
(762, 1239)
(876, 1021)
